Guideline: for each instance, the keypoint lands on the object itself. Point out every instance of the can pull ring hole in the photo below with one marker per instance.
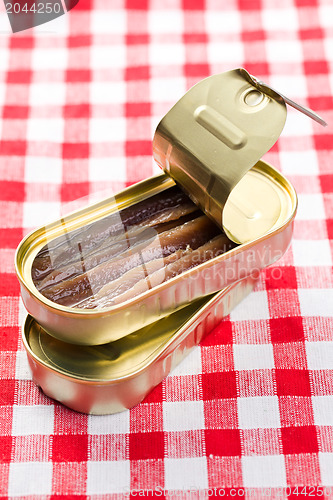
(253, 98)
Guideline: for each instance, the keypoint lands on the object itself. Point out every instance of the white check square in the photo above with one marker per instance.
(311, 253)
(2, 95)
(167, 89)
(326, 467)
(191, 365)
(275, 19)
(22, 369)
(7, 257)
(43, 169)
(186, 473)
(107, 92)
(286, 51)
(4, 58)
(22, 314)
(299, 162)
(292, 86)
(107, 169)
(5, 26)
(108, 56)
(47, 94)
(117, 423)
(319, 355)
(108, 21)
(295, 124)
(253, 356)
(316, 302)
(36, 419)
(326, 15)
(258, 412)
(166, 53)
(225, 52)
(30, 478)
(48, 58)
(323, 410)
(266, 471)
(107, 129)
(39, 213)
(182, 416)
(226, 21)
(310, 207)
(254, 307)
(108, 477)
(51, 129)
(165, 21)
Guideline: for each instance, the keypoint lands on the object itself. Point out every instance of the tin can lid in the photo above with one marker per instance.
(209, 140)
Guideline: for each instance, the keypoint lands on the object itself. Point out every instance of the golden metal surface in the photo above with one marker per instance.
(112, 377)
(257, 205)
(93, 327)
(212, 136)
(109, 361)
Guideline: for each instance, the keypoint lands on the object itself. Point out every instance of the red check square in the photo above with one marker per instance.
(74, 191)
(9, 286)
(15, 112)
(280, 277)
(315, 67)
(199, 70)
(223, 442)
(137, 4)
(12, 191)
(138, 148)
(137, 73)
(5, 449)
(134, 109)
(8, 338)
(249, 4)
(78, 75)
(155, 396)
(19, 76)
(7, 394)
(299, 440)
(222, 334)
(286, 329)
(292, 382)
(326, 183)
(75, 150)
(146, 445)
(70, 448)
(193, 4)
(219, 385)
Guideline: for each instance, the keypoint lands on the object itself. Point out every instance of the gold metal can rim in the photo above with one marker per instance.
(159, 180)
(161, 334)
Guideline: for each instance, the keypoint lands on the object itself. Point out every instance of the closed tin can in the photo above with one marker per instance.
(209, 144)
(114, 377)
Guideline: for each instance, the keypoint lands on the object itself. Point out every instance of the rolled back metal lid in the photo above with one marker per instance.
(210, 139)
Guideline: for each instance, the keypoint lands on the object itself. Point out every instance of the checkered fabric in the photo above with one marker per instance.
(249, 413)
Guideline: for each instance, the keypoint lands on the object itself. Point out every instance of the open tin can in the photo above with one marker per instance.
(110, 340)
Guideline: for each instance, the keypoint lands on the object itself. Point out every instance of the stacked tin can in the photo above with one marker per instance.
(105, 360)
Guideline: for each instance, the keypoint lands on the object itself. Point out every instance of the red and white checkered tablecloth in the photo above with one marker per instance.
(250, 411)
